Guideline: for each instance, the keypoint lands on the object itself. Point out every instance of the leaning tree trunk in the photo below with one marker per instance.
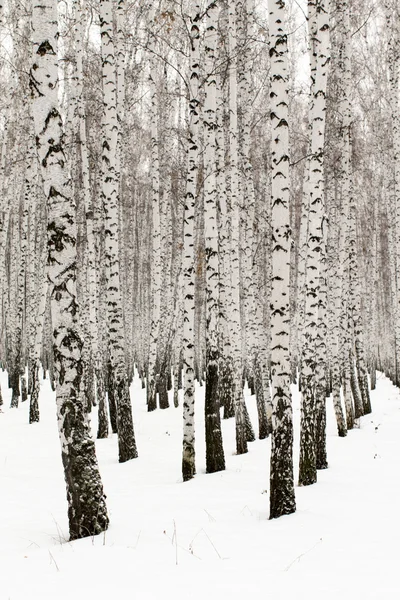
(282, 498)
(86, 500)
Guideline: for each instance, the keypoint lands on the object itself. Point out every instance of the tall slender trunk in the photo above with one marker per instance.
(86, 500)
(110, 196)
(215, 459)
(92, 291)
(156, 265)
(315, 243)
(188, 451)
(282, 497)
(235, 313)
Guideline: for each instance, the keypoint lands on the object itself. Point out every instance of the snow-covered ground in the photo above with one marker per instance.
(209, 538)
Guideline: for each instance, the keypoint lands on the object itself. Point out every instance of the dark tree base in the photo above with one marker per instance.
(35, 388)
(280, 509)
(151, 394)
(24, 390)
(176, 387)
(87, 512)
(250, 437)
(282, 496)
(14, 399)
(188, 464)
(169, 380)
(226, 389)
(251, 385)
(240, 422)
(263, 429)
(102, 428)
(14, 381)
(308, 476)
(162, 386)
(355, 389)
(126, 437)
(366, 400)
(308, 467)
(229, 409)
(320, 431)
(180, 376)
(90, 388)
(112, 407)
(215, 459)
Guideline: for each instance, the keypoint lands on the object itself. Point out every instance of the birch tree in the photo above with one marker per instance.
(282, 497)
(215, 460)
(315, 245)
(87, 511)
(188, 455)
(110, 195)
(236, 326)
(393, 28)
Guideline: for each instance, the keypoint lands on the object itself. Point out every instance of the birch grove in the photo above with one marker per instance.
(199, 212)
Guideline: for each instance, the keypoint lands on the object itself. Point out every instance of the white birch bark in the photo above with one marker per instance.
(188, 452)
(305, 205)
(315, 243)
(86, 187)
(110, 196)
(86, 501)
(14, 323)
(393, 27)
(234, 311)
(282, 498)
(155, 298)
(34, 249)
(225, 383)
(215, 460)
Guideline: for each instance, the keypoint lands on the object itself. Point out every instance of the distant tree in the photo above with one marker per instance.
(311, 357)
(188, 452)
(118, 376)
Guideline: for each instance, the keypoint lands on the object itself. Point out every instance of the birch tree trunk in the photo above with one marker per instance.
(392, 22)
(215, 460)
(282, 497)
(342, 265)
(315, 244)
(188, 454)
(110, 195)
(235, 316)
(245, 30)
(92, 290)
(87, 511)
(155, 299)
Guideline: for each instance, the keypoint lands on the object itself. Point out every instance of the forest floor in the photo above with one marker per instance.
(208, 537)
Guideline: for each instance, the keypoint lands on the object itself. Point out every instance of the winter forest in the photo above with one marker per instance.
(199, 258)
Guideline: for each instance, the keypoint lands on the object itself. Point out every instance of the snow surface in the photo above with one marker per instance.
(208, 538)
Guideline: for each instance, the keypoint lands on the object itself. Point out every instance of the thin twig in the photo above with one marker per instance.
(301, 555)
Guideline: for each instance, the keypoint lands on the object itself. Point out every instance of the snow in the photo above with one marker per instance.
(210, 536)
